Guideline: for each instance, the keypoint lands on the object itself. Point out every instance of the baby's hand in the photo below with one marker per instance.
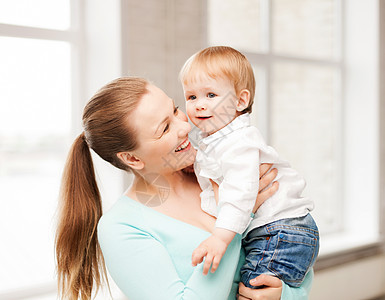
(213, 248)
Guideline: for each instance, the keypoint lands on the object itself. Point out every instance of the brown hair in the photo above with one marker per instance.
(80, 262)
(221, 61)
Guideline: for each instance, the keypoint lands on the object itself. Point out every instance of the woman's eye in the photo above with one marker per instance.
(166, 128)
(168, 125)
(192, 97)
(211, 95)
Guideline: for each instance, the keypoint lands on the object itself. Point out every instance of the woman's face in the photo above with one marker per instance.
(162, 133)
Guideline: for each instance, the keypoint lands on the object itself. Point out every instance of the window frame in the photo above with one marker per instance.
(74, 36)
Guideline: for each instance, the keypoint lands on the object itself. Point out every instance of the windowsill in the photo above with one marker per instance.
(342, 248)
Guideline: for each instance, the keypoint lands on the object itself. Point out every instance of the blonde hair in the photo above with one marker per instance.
(221, 61)
(80, 263)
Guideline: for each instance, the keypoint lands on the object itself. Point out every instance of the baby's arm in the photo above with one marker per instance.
(267, 175)
(237, 196)
(213, 248)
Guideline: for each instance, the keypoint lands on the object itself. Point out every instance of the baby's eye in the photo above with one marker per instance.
(192, 97)
(211, 95)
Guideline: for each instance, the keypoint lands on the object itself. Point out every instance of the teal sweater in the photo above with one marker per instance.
(148, 254)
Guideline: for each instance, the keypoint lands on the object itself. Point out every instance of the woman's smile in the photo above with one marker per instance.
(184, 146)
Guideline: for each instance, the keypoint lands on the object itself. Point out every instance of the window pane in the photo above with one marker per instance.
(258, 115)
(53, 14)
(34, 128)
(235, 23)
(304, 28)
(304, 131)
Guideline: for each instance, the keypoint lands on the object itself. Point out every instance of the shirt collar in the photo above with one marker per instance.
(239, 122)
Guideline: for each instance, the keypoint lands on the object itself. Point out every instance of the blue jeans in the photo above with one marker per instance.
(285, 248)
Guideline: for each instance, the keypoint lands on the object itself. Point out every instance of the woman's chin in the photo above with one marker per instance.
(187, 164)
(188, 170)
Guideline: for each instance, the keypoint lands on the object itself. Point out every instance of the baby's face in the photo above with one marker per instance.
(211, 104)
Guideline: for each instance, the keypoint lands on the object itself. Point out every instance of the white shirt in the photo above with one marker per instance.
(231, 157)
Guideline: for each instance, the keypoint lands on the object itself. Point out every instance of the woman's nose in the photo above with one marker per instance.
(184, 128)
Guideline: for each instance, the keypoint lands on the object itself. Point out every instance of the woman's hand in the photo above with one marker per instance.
(267, 187)
(272, 289)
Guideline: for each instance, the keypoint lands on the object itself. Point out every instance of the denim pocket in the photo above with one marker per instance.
(293, 256)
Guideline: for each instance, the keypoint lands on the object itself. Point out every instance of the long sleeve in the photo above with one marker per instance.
(143, 268)
(239, 189)
(208, 203)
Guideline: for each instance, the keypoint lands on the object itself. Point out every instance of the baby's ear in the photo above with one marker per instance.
(243, 100)
(130, 160)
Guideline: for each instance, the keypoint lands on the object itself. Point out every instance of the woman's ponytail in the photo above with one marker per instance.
(80, 262)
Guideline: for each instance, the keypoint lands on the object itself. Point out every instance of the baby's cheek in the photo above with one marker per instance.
(189, 111)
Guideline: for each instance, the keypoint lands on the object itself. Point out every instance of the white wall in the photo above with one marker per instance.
(158, 37)
(358, 280)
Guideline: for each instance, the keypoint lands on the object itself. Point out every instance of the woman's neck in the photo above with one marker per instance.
(154, 189)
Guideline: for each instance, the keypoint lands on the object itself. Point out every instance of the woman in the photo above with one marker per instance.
(149, 234)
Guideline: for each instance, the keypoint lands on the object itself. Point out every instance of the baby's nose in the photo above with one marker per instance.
(201, 106)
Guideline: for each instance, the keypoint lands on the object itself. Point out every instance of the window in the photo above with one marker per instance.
(311, 66)
(38, 42)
